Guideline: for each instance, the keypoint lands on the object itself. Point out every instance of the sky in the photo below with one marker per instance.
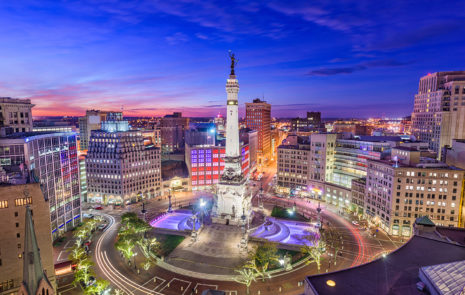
(345, 58)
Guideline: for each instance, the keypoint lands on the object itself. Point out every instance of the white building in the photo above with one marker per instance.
(119, 167)
(16, 113)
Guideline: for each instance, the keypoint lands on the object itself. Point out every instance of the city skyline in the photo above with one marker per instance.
(154, 58)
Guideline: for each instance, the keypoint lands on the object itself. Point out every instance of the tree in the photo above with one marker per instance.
(80, 234)
(314, 247)
(77, 254)
(246, 276)
(97, 288)
(125, 245)
(333, 239)
(147, 264)
(85, 267)
(263, 255)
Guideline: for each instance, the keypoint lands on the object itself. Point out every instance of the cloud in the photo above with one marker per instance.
(357, 67)
(177, 38)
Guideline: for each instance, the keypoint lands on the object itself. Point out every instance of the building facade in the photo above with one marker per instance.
(120, 168)
(16, 113)
(311, 123)
(50, 159)
(13, 202)
(172, 129)
(352, 155)
(258, 117)
(206, 164)
(306, 163)
(399, 191)
(438, 114)
(455, 155)
(91, 121)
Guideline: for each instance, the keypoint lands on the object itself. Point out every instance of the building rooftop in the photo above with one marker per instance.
(397, 273)
(406, 148)
(446, 278)
(23, 135)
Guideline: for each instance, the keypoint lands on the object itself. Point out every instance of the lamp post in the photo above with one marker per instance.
(169, 201)
(318, 210)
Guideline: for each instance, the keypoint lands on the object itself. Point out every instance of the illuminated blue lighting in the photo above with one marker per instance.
(212, 130)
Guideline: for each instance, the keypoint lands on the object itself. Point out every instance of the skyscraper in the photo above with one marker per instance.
(172, 128)
(91, 121)
(439, 109)
(258, 117)
(234, 203)
(50, 159)
(16, 113)
(119, 167)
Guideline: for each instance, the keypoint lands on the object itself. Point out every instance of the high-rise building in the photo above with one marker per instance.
(119, 167)
(306, 160)
(91, 121)
(21, 239)
(50, 159)
(172, 128)
(83, 177)
(438, 114)
(16, 113)
(409, 186)
(311, 123)
(250, 138)
(455, 155)
(234, 203)
(258, 117)
(351, 156)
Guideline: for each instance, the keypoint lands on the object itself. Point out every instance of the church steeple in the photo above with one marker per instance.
(35, 280)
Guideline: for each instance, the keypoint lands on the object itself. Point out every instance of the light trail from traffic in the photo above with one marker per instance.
(113, 275)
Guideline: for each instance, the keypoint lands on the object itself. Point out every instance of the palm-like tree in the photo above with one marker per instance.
(85, 267)
(77, 254)
(246, 276)
(315, 248)
(126, 246)
(97, 288)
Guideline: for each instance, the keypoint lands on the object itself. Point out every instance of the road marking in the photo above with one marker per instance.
(176, 279)
(59, 255)
(200, 284)
(66, 245)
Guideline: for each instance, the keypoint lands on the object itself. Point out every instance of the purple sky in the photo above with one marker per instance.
(344, 58)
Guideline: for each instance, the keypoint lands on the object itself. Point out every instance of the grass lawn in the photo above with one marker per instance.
(169, 243)
(280, 212)
(295, 257)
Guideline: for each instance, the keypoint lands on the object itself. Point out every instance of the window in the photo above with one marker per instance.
(3, 204)
(16, 214)
(23, 201)
(17, 224)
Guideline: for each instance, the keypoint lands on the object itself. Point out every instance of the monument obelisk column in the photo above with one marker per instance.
(233, 202)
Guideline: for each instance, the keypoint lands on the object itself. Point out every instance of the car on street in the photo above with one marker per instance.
(89, 283)
(98, 208)
(102, 226)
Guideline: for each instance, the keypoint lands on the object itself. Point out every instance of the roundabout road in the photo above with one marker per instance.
(359, 248)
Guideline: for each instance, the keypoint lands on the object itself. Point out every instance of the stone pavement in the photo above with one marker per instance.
(215, 252)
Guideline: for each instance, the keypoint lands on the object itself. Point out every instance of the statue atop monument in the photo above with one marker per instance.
(233, 61)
